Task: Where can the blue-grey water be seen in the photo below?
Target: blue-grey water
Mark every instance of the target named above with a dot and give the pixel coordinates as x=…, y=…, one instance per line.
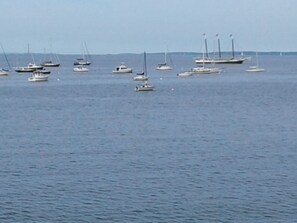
x=87, y=148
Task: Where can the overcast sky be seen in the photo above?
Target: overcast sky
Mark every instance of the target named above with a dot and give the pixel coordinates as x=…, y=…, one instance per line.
x=132, y=26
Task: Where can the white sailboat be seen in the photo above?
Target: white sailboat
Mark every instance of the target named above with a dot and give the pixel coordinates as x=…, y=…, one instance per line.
x=205, y=70
x=3, y=71
x=164, y=66
x=145, y=86
x=255, y=68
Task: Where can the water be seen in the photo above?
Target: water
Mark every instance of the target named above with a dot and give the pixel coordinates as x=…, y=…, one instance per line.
x=87, y=148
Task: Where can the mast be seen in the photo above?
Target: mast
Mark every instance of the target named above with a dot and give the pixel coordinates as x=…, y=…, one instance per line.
x=144, y=64
x=219, y=46
x=5, y=57
x=232, y=40
x=205, y=43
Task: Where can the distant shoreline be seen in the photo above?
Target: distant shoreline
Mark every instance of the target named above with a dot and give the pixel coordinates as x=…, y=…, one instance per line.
x=172, y=53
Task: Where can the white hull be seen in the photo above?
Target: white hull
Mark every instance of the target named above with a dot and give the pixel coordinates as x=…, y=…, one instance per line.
x=38, y=77
x=255, y=69
x=145, y=87
x=185, y=74
x=140, y=77
x=80, y=69
x=3, y=72
x=163, y=67
x=205, y=70
x=122, y=69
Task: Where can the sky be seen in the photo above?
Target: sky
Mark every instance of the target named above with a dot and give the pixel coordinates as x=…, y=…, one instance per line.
x=134, y=26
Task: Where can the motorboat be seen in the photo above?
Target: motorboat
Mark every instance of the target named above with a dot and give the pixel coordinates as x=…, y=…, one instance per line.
x=38, y=76
x=80, y=68
x=29, y=68
x=3, y=72
x=144, y=87
x=185, y=74
x=49, y=63
x=122, y=69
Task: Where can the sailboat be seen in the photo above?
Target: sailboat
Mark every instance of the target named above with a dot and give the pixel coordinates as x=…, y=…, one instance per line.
x=4, y=72
x=205, y=70
x=220, y=60
x=255, y=68
x=164, y=66
x=50, y=63
x=85, y=55
x=30, y=67
x=145, y=86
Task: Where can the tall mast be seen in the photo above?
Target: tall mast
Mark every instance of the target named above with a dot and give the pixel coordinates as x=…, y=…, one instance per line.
x=5, y=57
x=219, y=46
x=144, y=64
x=205, y=42
x=232, y=45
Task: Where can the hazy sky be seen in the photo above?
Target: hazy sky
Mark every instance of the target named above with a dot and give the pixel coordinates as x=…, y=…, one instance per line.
x=132, y=26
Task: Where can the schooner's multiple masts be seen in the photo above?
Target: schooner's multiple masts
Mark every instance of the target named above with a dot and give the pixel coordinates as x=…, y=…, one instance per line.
x=220, y=60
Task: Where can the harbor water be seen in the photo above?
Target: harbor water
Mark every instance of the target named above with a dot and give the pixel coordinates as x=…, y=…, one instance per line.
x=206, y=148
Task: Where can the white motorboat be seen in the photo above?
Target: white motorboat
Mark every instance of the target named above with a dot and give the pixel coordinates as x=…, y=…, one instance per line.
x=80, y=68
x=3, y=72
x=144, y=87
x=122, y=69
x=140, y=77
x=38, y=76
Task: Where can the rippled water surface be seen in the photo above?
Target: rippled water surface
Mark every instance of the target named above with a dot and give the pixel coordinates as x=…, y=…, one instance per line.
x=87, y=148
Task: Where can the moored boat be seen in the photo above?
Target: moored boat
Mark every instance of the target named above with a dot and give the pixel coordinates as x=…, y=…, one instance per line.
x=3, y=72
x=29, y=68
x=122, y=69
x=80, y=68
x=38, y=76
x=144, y=87
x=49, y=63
x=140, y=77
